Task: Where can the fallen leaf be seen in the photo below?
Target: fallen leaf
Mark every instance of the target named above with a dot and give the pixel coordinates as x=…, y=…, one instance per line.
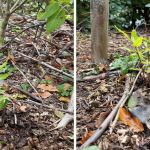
x=67, y=85
x=47, y=77
x=86, y=136
x=6, y=87
x=48, y=88
x=23, y=108
x=101, y=118
x=127, y=119
x=122, y=78
x=64, y=99
x=43, y=94
x=59, y=114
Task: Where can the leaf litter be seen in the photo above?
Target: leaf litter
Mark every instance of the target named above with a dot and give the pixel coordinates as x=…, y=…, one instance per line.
x=27, y=125
x=97, y=97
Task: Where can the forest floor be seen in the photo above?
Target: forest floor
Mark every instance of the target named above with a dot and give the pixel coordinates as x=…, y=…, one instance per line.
x=96, y=99
x=27, y=123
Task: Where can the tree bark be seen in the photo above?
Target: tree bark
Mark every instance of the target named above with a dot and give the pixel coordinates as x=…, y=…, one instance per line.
x=99, y=30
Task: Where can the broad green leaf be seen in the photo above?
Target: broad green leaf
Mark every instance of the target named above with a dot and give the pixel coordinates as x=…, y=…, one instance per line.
x=148, y=5
x=146, y=49
x=4, y=76
x=132, y=102
x=3, y=102
x=49, y=11
x=134, y=36
x=55, y=21
x=123, y=33
x=138, y=42
x=128, y=49
x=91, y=148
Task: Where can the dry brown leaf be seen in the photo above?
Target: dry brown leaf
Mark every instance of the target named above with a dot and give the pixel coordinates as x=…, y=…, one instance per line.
x=43, y=94
x=101, y=118
x=23, y=108
x=47, y=77
x=122, y=78
x=125, y=116
x=86, y=136
x=127, y=119
x=64, y=99
x=48, y=88
x=67, y=85
x=6, y=87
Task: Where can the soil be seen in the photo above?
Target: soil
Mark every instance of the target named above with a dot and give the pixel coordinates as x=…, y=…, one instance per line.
x=97, y=98
x=26, y=125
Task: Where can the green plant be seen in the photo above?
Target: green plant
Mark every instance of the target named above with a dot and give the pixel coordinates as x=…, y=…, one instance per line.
x=64, y=92
x=136, y=55
x=3, y=99
x=67, y=71
x=46, y=81
x=17, y=95
x=24, y=86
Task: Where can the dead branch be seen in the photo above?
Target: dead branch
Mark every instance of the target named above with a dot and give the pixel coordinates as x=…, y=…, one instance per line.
x=51, y=67
x=49, y=107
x=68, y=117
x=129, y=94
x=107, y=121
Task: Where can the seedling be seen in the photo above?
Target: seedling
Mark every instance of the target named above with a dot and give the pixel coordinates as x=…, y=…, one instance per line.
x=64, y=92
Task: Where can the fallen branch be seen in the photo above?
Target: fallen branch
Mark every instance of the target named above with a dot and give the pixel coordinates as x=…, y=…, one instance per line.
x=99, y=76
x=68, y=117
x=129, y=94
x=51, y=67
x=27, y=93
x=107, y=121
x=50, y=107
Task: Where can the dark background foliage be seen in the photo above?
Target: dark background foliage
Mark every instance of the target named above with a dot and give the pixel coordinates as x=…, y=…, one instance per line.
x=124, y=14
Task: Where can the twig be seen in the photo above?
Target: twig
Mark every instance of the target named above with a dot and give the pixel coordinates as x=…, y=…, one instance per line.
x=129, y=94
x=68, y=117
x=107, y=121
x=51, y=67
x=42, y=23
x=49, y=107
x=27, y=80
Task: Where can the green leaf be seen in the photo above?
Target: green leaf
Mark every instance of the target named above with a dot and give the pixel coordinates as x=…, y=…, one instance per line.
x=138, y=42
x=123, y=33
x=134, y=36
x=55, y=21
x=4, y=76
x=60, y=87
x=3, y=102
x=5, y=63
x=49, y=11
x=148, y=5
x=132, y=102
x=1, y=54
x=139, y=54
x=91, y=148
x=24, y=86
x=128, y=49
x=71, y=137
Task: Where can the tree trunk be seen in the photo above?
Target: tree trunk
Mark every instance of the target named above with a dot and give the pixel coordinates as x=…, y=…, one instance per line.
x=99, y=30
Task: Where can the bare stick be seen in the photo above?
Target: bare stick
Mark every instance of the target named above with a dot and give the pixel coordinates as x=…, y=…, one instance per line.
x=129, y=94
x=51, y=67
x=106, y=123
x=27, y=81
x=68, y=117
x=49, y=107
